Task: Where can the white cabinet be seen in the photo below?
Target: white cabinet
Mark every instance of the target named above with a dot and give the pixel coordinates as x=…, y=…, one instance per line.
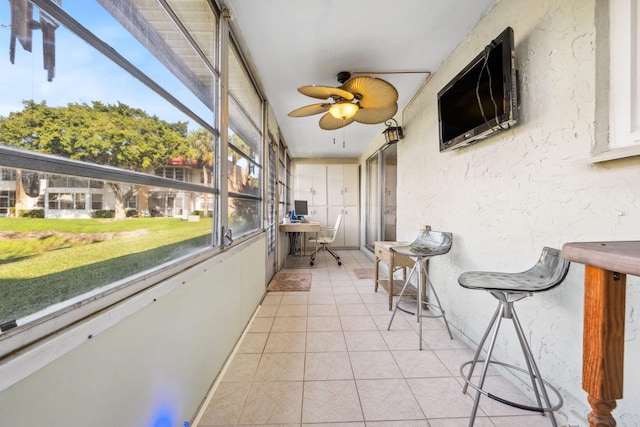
x=348, y=235
x=311, y=184
x=319, y=213
x=343, y=197
x=331, y=190
x=342, y=185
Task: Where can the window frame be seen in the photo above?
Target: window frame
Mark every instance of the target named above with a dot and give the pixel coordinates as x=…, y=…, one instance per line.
x=234, y=102
x=617, y=133
x=34, y=330
x=80, y=307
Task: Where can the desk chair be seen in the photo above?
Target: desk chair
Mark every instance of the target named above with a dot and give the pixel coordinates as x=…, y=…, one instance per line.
x=507, y=288
x=322, y=242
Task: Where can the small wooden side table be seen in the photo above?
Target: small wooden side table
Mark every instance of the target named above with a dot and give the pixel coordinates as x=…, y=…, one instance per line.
x=394, y=261
x=605, y=283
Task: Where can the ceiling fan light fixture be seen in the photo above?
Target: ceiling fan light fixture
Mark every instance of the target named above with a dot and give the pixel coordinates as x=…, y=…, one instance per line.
x=343, y=110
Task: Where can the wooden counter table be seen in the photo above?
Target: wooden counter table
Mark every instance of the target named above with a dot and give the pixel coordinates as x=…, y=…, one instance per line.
x=394, y=261
x=606, y=267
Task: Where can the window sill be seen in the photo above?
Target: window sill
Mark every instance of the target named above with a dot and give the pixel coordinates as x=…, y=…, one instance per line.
x=25, y=350
x=615, y=154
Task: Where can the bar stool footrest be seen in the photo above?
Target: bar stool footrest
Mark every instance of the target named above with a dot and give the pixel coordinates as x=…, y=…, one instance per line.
x=509, y=402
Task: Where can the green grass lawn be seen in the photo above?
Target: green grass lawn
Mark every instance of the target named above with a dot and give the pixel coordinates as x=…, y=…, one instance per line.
x=46, y=261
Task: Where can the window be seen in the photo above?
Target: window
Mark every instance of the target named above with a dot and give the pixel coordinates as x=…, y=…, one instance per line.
x=96, y=201
x=67, y=201
x=245, y=150
x=8, y=174
x=120, y=92
x=271, y=199
x=621, y=138
x=7, y=201
x=282, y=180
x=179, y=174
x=372, y=225
x=381, y=195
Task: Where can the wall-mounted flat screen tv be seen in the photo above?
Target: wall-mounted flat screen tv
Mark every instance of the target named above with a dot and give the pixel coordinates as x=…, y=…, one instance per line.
x=482, y=99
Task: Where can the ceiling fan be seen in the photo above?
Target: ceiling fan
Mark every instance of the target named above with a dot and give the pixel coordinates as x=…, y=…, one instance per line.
x=362, y=99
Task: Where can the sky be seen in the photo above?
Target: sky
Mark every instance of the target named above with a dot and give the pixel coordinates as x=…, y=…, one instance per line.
x=83, y=74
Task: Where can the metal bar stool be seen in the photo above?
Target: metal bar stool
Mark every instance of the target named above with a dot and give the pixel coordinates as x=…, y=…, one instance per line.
x=427, y=245
x=507, y=288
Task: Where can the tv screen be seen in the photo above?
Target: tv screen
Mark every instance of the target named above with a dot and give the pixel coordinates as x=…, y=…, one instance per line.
x=300, y=207
x=482, y=98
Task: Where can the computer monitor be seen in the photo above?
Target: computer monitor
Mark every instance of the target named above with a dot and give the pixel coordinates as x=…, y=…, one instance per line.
x=300, y=207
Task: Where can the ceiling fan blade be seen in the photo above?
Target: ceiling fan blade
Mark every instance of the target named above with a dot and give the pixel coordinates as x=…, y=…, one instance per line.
x=325, y=92
x=309, y=110
x=328, y=122
x=372, y=92
x=372, y=116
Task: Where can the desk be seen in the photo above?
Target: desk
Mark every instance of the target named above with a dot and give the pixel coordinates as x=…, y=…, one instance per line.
x=394, y=261
x=605, y=279
x=300, y=227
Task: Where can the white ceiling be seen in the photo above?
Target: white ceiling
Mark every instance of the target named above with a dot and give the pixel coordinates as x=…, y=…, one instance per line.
x=292, y=43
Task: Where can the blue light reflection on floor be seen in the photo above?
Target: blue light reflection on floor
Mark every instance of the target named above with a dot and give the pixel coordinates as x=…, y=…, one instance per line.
x=166, y=417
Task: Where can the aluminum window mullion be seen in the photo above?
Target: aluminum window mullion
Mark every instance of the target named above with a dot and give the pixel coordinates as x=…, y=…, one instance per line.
x=38, y=162
x=243, y=155
x=243, y=196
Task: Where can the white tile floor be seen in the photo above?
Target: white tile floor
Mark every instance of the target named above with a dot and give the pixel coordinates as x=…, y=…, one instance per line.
x=325, y=357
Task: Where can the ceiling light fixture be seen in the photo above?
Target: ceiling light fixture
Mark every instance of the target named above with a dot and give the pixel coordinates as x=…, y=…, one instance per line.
x=344, y=110
x=393, y=134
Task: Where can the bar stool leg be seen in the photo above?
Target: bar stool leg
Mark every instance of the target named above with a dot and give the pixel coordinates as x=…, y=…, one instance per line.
x=417, y=267
x=419, y=307
x=485, y=367
x=435, y=294
x=480, y=347
x=406, y=283
x=534, y=373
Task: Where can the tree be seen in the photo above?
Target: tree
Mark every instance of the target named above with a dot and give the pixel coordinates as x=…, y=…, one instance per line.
x=201, y=149
x=242, y=212
x=114, y=135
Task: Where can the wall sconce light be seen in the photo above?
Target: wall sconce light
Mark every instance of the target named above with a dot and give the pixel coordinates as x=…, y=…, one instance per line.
x=393, y=134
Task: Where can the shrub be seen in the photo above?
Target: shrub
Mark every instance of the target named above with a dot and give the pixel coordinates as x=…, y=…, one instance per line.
x=105, y=213
x=33, y=213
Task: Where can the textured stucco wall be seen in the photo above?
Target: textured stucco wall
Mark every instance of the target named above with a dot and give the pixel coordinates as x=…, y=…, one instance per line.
x=506, y=197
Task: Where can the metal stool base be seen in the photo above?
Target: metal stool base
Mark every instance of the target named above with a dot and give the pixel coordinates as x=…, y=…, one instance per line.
x=419, y=268
x=506, y=310
x=548, y=385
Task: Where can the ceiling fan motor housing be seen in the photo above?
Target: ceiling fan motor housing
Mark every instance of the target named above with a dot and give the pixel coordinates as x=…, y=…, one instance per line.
x=343, y=76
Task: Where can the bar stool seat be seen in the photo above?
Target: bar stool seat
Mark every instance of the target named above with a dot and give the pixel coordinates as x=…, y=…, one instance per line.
x=427, y=245
x=550, y=270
